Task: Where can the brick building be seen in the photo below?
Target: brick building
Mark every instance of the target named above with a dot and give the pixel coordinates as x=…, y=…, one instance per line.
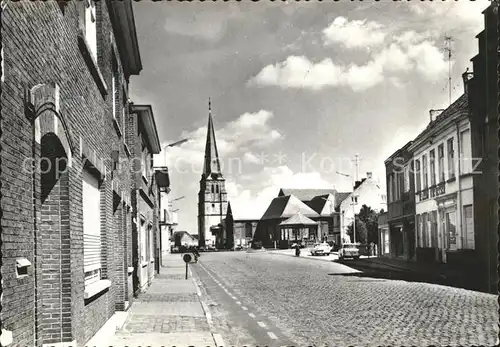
x=482, y=92
x=143, y=141
x=398, y=237
x=66, y=215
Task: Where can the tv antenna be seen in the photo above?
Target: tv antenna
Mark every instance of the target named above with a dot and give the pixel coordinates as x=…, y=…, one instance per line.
x=356, y=161
x=448, y=40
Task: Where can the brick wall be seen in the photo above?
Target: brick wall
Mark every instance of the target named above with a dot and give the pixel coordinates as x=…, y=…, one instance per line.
x=41, y=45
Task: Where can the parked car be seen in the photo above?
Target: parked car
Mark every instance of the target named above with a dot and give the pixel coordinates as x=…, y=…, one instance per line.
x=211, y=248
x=238, y=248
x=321, y=249
x=349, y=250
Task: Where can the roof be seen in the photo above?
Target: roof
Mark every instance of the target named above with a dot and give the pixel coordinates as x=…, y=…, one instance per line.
x=306, y=194
x=211, y=164
x=179, y=234
x=456, y=109
x=146, y=118
x=287, y=206
x=339, y=197
x=398, y=151
x=298, y=219
x=124, y=29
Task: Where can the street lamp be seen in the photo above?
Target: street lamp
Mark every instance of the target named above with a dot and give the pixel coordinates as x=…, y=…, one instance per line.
x=177, y=143
x=352, y=197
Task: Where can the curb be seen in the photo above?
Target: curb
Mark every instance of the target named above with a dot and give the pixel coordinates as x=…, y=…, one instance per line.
x=218, y=340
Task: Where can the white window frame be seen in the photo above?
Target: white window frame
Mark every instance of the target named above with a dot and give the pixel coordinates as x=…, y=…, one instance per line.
x=418, y=175
x=91, y=215
x=450, y=157
x=441, y=170
x=465, y=151
x=425, y=173
x=151, y=242
x=145, y=163
x=432, y=167
x=406, y=178
x=469, y=243
x=143, y=239
x=90, y=23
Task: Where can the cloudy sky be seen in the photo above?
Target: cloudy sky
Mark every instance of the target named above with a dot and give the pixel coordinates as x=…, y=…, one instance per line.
x=297, y=89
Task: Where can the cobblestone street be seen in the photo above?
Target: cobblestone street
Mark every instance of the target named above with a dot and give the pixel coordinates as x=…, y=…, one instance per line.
x=308, y=302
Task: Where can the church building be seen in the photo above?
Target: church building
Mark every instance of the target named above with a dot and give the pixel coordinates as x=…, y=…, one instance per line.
x=212, y=198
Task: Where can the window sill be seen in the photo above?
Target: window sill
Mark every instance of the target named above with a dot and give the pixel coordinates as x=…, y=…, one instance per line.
x=451, y=179
x=144, y=264
x=127, y=150
x=117, y=127
x=92, y=64
x=96, y=288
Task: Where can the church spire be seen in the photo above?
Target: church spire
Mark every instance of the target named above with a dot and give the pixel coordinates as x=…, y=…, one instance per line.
x=212, y=163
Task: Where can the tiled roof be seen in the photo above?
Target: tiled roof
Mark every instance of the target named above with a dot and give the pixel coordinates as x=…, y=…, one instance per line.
x=318, y=203
x=298, y=219
x=305, y=194
x=287, y=206
x=339, y=197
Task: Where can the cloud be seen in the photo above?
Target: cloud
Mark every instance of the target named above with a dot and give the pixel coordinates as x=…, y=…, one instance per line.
x=354, y=34
x=253, y=202
x=407, y=52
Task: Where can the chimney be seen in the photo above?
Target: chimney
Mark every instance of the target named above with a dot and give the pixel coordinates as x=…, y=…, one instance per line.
x=466, y=77
x=434, y=113
x=369, y=175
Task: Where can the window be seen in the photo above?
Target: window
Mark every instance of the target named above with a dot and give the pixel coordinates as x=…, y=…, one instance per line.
x=469, y=227
x=3, y=71
x=433, y=228
x=465, y=152
x=425, y=228
x=419, y=230
x=145, y=163
x=441, y=163
x=390, y=188
x=418, y=182
x=406, y=178
x=217, y=189
x=151, y=243
x=91, y=204
x=124, y=111
x=248, y=230
x=143, y=240
x=212, y=189
x=425, y=177
x=91, y=27
x=432, y=157
x=115, y=84
x=451, y=228
x=451, y=159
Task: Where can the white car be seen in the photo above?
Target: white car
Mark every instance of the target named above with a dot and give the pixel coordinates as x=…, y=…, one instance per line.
x=321, y=249
x=349, y=250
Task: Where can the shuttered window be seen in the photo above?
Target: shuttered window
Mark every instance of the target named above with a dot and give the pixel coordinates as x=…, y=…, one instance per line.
x=469, y=227
x=91, y=203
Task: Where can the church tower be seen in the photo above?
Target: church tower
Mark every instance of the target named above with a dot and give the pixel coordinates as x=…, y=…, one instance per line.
x=212, y=198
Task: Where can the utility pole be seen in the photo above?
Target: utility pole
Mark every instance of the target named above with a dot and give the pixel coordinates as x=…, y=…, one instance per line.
x=448, y=40
x=356, y=161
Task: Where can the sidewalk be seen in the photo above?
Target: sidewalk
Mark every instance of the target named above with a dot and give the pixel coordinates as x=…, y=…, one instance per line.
x=435, y=273
x=169, y=313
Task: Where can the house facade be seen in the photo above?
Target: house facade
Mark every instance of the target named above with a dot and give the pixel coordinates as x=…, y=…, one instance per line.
x=326, y=203
x=442, y=156
x=244, y=230
x=481, y=87
x=143, y=142
x=365, y=192
x=399, y=241
x=65, y=199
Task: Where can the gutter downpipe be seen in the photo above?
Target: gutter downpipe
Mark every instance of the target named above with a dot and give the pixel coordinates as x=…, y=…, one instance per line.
x=459, y=181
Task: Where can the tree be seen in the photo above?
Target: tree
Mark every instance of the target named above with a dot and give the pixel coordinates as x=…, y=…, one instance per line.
x=366, y=226
x=361, y=231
